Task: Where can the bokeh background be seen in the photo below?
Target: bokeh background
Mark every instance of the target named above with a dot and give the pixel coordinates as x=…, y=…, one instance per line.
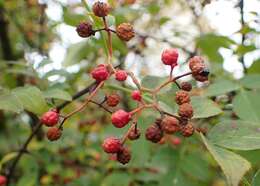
x=43, y=62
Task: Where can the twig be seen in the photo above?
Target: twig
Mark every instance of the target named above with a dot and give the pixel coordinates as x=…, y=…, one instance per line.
x=241, y=6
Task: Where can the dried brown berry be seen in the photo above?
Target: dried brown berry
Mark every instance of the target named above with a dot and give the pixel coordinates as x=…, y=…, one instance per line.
x=113, y=100
x=125, y=31
x=186, y=86
x=187, y=130
x=170, y=125
x=200, y=78
x=84, y=29
x=134, y=133
x=154, y=133
x=53, y=133
x=101, y=9
x=182, y=97
x=196, y=64
x=124, y=156
x=186, y=110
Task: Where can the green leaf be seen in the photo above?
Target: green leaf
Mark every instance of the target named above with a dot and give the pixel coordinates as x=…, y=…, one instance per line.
x=57, y=94
x=256, y=179
x=221, y=87
x=255, y=67
x=251, y=81
x=7, y=158
x=152, y=81
x=31, y=98
x=242, y=49
x=211, y=43
x=204, y=107
x=233, y=165
x=246, y=106
x=9, y=102
x=71, y=18
x=236, y=134
x=117, y=179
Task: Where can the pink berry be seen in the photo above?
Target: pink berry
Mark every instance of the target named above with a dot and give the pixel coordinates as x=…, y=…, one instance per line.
x=170, y=57
x=100, y=73
x=120, y=118
x=176, y=141
x=121, y=75
x=111, y=145
x=50, y=118
x=2, y=180
x=136, y=95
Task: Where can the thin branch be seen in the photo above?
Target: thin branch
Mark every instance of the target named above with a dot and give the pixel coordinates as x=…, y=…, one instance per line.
x=242, y=60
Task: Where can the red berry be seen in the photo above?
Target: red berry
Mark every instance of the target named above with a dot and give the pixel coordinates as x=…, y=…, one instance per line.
x=176, y=141
x=134, y=134
x=124, y=156
x=100, y=73
x=3, y=180
x=53, y=134
x=111, y=145
x=186, y=86
x=154, y=133
x=121, y=75
x=50, y=118
x=120, y=118
x=170, y=57
x=136, y=95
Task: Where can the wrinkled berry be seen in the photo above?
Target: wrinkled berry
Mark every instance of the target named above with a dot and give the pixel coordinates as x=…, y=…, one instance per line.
x=187, y=130
x=124, y=156
x=196, y=64
x=113, y=100
x=154, y=133
x=121, y=75
x=170, y=57
x=182, y=97
x=136, y=95
x=186, y=110
x=111, y=145
x=120, y=118
x=50, y=118
x=53, y=133
x=134, y=134
x=84, y=29
x=100, y=73
x=101, y=9
x=170, y=125
x=186, y=86
x=125, y=31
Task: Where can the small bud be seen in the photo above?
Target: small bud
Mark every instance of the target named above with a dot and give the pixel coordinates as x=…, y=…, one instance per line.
x=53, y=134
x=113, y=100
x=101, y=9
x=125, y=31
x=84, y=29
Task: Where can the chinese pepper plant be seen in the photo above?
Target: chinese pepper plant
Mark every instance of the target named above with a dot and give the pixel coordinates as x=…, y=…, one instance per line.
x=151, y=132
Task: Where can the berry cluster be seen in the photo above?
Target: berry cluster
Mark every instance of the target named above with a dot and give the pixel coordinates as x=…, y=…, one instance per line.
x=167, y=124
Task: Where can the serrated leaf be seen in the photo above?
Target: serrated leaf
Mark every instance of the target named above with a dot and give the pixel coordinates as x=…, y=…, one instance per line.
x=31, y=98
x=246, y=106
x=204, y=107
x=233, y=165
x=221, y=87
x=236, y=134
x=57, y=94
